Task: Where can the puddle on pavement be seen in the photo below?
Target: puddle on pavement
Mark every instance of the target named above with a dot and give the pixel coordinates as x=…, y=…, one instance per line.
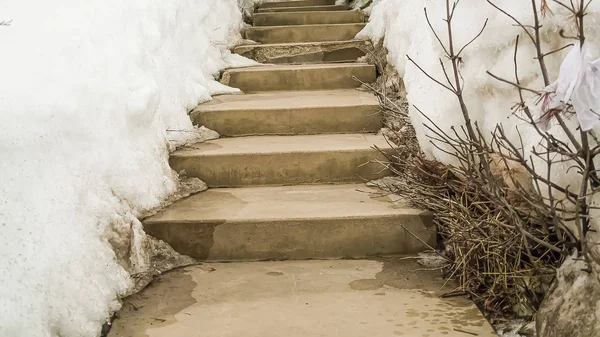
x=447, y=315
x=155, y=306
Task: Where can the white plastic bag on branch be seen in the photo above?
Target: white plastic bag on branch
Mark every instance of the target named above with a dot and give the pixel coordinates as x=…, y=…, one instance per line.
x=578, y=83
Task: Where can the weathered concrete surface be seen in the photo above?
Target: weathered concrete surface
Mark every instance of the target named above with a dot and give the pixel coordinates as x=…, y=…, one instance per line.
x=292, y=222
x=290, y=113
x=297, y=3
x=299, y=77
x=307, y=18
x=304, y=33
x=306, y=52
x=304, y=9
x=352, y=298
x=283, y=160
x=572, y=306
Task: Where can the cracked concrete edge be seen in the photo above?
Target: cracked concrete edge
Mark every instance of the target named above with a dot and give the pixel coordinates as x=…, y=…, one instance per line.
x=266, y=54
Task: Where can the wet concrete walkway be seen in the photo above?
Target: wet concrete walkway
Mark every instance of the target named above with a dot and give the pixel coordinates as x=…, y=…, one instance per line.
x=288, y=183
x=345, y=298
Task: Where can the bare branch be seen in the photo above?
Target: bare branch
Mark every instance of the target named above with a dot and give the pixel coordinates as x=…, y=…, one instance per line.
x=430, y=77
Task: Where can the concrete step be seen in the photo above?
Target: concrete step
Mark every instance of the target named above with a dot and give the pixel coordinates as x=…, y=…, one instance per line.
x=296, y=3
x=291, y=222
x=307, y=18
x=385, y=297
x=347, y=298
x=299, y=77
x=305, y=52
x=290, y=113
x=304, y=33
x=283, y=160
x=304, y=9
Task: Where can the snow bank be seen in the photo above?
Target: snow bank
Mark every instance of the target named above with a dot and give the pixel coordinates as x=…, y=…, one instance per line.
x=402, y=27
x=93, y=94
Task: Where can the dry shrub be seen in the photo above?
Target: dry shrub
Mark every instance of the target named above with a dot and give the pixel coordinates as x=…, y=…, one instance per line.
x=504, y=272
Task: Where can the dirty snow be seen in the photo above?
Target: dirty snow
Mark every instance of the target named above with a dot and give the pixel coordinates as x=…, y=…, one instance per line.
x=512, y=328
x=93, y=96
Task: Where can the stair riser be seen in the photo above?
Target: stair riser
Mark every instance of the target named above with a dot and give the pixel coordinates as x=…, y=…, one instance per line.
x=297, y=3
x=297, y=239
x=307, y=18
x=299, y=79
x=282, y=168
x=349, y=119
x=310, y=33
x=303, y=54
x=304, y=9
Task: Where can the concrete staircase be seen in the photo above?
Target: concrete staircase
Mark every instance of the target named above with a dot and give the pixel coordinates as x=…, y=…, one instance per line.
x=287, y=180
x=288, y=183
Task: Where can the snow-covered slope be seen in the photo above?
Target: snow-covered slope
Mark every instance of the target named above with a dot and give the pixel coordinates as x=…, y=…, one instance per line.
x=91, y=93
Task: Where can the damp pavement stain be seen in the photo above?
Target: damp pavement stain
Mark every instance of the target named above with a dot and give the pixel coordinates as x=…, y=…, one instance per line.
x=156, y=305
x=346, y=298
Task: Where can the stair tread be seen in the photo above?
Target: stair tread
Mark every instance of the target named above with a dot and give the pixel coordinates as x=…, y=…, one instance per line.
x=285, y=202
x=344, y=51
x=300, y=299
x=299, y=3
x=304, y=33
x=300, y=44
x=287, y=67
x=267, y=19
x=333, y=25
x=306, y=12
x=290, y=99
x=289, y=77
x=283, y=144
x=303, y=8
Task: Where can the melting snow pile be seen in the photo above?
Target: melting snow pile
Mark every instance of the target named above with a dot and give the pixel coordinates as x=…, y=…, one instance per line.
x=93, y=95
x=403, y=30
